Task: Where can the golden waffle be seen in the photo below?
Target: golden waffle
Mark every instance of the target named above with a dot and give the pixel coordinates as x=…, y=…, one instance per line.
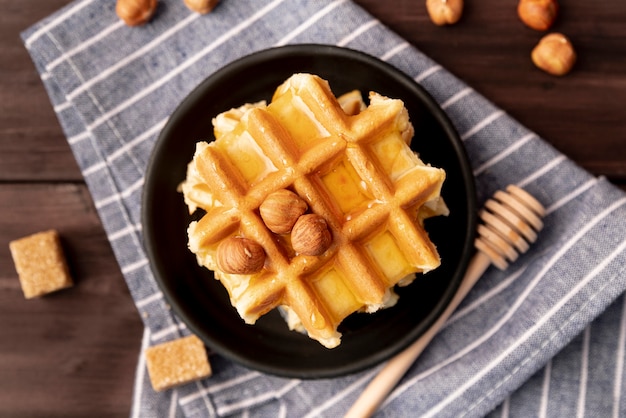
x=355, y=170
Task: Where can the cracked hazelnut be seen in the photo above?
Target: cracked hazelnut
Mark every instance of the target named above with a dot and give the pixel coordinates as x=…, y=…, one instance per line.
x=538, y=14
x=135, y=12
x=281, y=209
x=554, y=54
x=201, y=6
x=238, y=255
x=310, y=235
x=444, y=12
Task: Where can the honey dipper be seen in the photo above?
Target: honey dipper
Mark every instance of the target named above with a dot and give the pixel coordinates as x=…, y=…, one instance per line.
x=511, y=219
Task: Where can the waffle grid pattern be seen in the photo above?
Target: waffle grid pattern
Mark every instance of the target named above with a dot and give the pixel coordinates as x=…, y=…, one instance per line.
x=383, y=212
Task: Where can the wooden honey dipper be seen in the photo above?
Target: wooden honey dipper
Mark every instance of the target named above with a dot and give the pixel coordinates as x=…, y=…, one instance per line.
x=511, y=219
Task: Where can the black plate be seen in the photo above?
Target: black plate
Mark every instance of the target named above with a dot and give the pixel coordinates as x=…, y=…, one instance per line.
x=203, y=303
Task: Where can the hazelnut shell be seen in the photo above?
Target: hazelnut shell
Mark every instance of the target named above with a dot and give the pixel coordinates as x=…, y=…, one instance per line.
x=135, y=12
x=554, y=54
x=238, y=255
x=444, y=12
x=201, y=6
x=281, y=209
x=310, y=235
x=538, y=14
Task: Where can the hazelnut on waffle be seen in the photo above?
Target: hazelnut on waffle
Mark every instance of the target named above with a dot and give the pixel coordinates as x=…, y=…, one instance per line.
x=312, y=208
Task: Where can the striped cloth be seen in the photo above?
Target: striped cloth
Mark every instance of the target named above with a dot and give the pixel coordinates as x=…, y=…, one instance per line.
x=544, y=338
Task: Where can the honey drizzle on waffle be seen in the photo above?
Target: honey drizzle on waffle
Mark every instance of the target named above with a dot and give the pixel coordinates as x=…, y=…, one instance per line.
x=342, y=144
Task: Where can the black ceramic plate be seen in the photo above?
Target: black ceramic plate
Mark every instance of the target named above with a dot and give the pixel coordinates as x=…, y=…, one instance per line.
x=203, y=303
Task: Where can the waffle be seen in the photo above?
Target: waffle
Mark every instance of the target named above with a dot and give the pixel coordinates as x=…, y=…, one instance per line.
x=351, y=168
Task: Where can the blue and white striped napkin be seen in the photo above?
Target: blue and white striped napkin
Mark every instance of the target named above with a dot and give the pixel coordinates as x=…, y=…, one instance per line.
x=545, y=338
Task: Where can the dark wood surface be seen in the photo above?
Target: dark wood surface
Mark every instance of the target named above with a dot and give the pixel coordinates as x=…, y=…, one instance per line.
x=74, y=353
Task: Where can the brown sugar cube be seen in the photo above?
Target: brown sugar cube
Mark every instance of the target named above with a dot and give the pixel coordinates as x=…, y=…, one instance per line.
x=177, y=362
x=40, y=264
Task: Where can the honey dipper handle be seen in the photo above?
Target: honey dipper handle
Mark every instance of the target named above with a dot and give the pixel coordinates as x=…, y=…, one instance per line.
x=378, y=389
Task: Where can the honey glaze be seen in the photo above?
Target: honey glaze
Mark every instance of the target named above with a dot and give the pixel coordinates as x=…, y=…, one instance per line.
x=388, y=257
x=296, y=118
x=245, y=154
x=347, y=189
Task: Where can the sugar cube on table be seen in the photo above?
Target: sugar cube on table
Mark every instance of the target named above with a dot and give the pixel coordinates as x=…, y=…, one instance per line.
x=40, y=263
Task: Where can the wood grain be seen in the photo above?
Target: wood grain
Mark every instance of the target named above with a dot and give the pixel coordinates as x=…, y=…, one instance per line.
x=581, y=114
x=74, y=353
x=32, y=145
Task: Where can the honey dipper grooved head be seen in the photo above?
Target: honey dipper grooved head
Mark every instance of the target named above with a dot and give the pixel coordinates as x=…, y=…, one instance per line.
x=512, y=220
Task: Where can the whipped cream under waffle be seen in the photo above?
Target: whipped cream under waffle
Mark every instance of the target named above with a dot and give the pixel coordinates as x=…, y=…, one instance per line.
x=353, y=168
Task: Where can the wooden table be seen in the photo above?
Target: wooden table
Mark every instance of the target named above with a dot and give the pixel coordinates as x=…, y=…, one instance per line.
x=74, y=353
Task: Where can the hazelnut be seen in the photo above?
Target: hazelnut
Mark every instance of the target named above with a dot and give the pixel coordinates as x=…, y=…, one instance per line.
x=538, y=14
x=310, y=235
x=281, y=209
x=135, y=12
x=554, y=54
x=201, y=6
x=444, y=12
x=238, y=255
